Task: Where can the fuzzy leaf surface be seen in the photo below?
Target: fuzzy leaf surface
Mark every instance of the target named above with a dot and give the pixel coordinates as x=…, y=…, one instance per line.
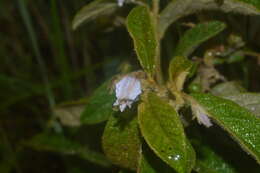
x=163, y=131
x=197, y=35
x=93, y=10
x=141, y=29
x=180, y=8
x=121, y=141
x=241, y=124
x=251, y=101
x=178, y=65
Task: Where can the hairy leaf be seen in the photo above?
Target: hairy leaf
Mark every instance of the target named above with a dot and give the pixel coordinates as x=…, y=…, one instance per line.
x=121, y=141
x=251, y=101
x=242, y=125
x=227, y=88
x=141, y=29
x=100, y=106
x=163, y=131
x=197, y=35
x=93, y=10
x=178, y=70
x=180, y=8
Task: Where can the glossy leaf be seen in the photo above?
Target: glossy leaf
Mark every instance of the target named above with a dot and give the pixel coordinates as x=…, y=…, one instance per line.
x=227, y=88
x=61, y=144
x=163, y=131
x=180, y=8
x=197, y=35
x=121, y=140
x=100, y=105
x=242, y=125
x=141, y=29
x=178, y=70
x=251, y=101
x=93, y=10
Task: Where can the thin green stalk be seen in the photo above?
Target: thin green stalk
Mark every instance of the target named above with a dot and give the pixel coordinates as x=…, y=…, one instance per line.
x=32, y=36
x=57, y=39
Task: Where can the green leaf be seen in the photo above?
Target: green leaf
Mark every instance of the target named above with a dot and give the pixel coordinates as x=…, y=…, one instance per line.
x=63, y=145
x=163, y=131
x=100, y=105
x=250, y=101
x=145, y=166
x=227, y=88
x=197, y=35
x=180, y=8
x=69, y=115
x=149, y=163
x=93, y=10
x=178, y=70
x=141, y=29
x=210, y=162
x=121, y=140
x=242, y=125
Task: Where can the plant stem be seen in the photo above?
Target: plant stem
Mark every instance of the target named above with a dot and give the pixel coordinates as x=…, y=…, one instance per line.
x=159, y=77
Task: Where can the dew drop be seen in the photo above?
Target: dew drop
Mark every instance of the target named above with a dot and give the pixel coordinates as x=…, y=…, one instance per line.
x=175, y=158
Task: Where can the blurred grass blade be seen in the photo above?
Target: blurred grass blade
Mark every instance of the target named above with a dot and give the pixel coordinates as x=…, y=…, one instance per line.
x=197, y=35
x=57, y=41
x=180, y=8
x=42, y=67
x=241, y=124
x=93, y=10
x=63, y=145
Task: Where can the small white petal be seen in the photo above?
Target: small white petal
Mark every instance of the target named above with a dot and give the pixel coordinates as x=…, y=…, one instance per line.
x=120, y=2
x=201, y=116
x=204, y=119
x=116, y=103
x=127, y=91
x=122, y=107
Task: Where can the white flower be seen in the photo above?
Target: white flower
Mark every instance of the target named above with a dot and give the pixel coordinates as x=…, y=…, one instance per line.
x=127, y=91
x=120, y=2
x=201, y=116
